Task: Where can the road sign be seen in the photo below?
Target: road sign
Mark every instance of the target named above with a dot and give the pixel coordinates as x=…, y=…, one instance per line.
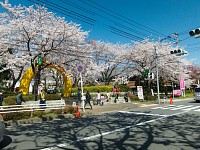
x=80, y=68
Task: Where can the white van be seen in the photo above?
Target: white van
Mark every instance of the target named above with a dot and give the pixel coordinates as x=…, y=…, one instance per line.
x=197, y=94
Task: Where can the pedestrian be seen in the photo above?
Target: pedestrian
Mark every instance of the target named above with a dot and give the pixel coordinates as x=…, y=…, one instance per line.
x=88, y=98
x=116, y=94
x=114, y=89
x=98, y=98
x=102, y=99
x=19, y=98
x=108, y=96
x=79, y=95
x=42, y=98
x=1, y=98
x=126, y=96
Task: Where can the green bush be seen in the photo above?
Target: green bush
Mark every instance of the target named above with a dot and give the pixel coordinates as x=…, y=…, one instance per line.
x=52, y=96
x=10, y=100
x=95, y=89
x=133, y=97
x=150, y=98
x=29, y=97
x=69, y=109
x=17, y=116
x=6, y=94
x=56, y=111
x=38, y=113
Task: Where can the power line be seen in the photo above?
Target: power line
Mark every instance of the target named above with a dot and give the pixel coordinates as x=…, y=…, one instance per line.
x=63, y=9
x=94, y=13
x=71, y=13
x=113, y=29
x=123, y=18
x=91, y=21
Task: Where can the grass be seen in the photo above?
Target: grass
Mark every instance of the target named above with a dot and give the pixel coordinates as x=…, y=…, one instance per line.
x=187, y=95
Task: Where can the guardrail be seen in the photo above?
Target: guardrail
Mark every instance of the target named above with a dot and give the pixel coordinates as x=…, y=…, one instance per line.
x=32, y=106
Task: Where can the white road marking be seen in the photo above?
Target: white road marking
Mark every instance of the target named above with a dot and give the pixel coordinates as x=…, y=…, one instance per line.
x=181, y=107
x=187, y=109
x=165, y=107
x=64, y=145
x=147, y=114
x=197, y=110
x=148, y=105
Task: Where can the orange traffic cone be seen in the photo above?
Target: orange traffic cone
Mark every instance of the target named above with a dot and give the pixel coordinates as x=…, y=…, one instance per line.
x=171, y=101
x=77, y=113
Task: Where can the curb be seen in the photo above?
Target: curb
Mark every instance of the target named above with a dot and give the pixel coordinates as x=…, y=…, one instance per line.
x=38, y=120
x=69, y=116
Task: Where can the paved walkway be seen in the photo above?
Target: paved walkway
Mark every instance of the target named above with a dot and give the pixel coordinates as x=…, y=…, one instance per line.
x=108, y=108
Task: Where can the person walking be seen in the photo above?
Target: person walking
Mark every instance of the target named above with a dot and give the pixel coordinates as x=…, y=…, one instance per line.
x=88, y=98
x=42, y=98
x=102, y=99
x=19, y=98
x=108, y=97
x=1, y=98
x=116, y=94
x=98, y=98
x=79, y=95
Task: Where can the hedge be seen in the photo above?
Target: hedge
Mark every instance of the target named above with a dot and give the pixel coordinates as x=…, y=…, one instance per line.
x=11, y=100
x=38, y=113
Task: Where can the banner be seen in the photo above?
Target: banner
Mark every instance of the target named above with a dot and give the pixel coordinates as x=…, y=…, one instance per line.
x=177, y=92
x=182, y=84
x=140, y=92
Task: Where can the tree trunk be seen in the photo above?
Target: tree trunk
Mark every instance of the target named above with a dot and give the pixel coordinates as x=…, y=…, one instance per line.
x=15, y=80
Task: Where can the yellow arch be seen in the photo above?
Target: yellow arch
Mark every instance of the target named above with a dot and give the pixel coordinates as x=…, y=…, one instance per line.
x=28, y=76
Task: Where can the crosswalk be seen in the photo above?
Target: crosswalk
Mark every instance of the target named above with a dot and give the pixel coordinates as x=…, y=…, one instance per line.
x=179, y=107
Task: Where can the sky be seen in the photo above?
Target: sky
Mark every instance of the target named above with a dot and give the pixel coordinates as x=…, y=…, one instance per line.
x=127, y=21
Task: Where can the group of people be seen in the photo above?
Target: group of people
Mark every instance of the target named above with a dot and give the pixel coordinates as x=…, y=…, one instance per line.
x=100, y=98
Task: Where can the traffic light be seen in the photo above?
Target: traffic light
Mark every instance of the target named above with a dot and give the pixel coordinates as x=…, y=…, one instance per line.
x=39, y=61
x=195, y=33
x=179, y=52
x=150, y=75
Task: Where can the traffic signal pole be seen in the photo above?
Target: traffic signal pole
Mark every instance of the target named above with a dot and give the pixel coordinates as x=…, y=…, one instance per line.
x=157, y=77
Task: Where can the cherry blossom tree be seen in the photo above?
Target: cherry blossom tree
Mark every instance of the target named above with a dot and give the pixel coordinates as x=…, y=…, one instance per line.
x=33, y=31
x=106, y=61
x=170, y=67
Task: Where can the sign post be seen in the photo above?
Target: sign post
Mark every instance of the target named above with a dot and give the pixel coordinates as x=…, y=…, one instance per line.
x=80, y=69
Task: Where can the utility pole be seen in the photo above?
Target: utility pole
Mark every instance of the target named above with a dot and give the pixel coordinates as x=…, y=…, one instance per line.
x=157, y=78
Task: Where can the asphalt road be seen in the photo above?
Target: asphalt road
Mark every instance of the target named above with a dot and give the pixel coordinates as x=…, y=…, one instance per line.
x=161, y=127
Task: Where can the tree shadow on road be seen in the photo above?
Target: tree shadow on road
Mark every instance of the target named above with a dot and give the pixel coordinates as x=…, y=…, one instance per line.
x=108, y=131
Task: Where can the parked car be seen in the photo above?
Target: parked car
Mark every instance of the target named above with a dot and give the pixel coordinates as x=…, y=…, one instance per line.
x=2, y=128
x=52, y=91
x=197, y=94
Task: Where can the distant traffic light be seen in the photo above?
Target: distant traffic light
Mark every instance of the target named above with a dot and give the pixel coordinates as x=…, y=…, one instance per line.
x=179, y=52
x=195, y=33
x=150, y=75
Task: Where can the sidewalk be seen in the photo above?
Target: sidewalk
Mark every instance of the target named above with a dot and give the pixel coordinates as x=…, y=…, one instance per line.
x=97, y=110
x=108, y=108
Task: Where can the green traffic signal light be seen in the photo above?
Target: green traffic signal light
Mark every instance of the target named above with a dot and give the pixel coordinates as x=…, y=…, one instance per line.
x=39, y=61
